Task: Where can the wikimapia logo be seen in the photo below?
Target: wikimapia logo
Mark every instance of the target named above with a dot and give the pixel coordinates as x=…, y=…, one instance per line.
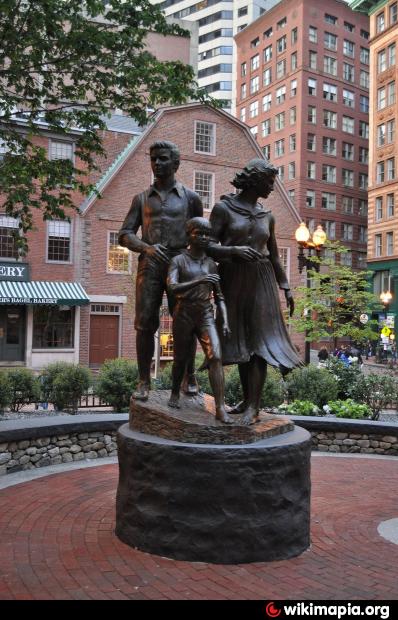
x=302, y=609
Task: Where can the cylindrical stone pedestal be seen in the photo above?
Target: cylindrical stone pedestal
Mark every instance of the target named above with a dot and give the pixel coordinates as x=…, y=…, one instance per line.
x=225, y=504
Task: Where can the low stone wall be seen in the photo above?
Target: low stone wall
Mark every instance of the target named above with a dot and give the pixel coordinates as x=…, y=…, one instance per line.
x=27, y=444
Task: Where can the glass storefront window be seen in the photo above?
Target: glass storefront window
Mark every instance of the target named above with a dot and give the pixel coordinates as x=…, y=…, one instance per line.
x=53, y=327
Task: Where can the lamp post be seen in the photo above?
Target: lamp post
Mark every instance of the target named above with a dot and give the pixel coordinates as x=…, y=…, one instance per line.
x=385, y=299
x=313, y=249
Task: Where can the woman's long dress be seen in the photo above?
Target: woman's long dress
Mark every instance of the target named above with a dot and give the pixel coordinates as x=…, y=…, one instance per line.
x=251, y=287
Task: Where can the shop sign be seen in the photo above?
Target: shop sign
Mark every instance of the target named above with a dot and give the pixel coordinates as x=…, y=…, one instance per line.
x=26, y=300
x=15, y=272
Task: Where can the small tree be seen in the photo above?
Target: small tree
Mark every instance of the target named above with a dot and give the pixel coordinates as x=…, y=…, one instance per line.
x=25, y=388
x=311, y=384
x=375, y=390
x=331, y=307
x=63, y=384
x=117, y=379
x=5, y=391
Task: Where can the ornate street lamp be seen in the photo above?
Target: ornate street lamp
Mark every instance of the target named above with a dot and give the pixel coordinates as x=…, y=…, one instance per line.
x=385, y=299
x=313, y=246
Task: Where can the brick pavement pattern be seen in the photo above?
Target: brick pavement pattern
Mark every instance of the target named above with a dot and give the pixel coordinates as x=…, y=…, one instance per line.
x=57, y=541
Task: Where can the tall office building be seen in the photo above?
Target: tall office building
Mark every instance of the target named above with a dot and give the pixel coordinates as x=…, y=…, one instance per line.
x=303, y=88
x=383, y=150
x=218, y=21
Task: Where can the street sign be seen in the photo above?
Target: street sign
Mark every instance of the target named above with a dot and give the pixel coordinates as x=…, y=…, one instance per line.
x=386, y=331
x=364, y=318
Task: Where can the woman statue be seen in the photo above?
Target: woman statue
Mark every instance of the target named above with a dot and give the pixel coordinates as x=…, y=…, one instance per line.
x=251, y=272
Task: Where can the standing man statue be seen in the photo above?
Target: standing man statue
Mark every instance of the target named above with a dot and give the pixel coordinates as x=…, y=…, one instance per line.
x=161, y=212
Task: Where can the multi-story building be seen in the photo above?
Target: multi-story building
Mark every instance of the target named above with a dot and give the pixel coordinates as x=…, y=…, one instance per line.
x=383, y=150
x=303, y=88
x=218, y=21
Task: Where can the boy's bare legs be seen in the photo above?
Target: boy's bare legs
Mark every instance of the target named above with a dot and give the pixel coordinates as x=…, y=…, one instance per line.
x=177, y=375
x=216, y=378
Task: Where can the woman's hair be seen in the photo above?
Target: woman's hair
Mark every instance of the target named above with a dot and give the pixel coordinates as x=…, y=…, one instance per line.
x=251, y=172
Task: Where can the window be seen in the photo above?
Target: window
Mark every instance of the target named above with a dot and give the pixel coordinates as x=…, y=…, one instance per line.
x=348, y=72
x=347, y=205
x=363, y=234
x=279, y=148
x=379, y=208
x=330, y=41
x=253, y=109
x=347, y=177
x=267, y=54
x=203, y=185
x=294, y=36
x=347, y=151
x=280, y=121
x=346, y=258
x=390, y=205
x=348, y=98
x=348, y=48
x=267, y=151
x=280, y=95
x=364, y=55
x=281, y=172
x=293, y=88
x=284, y=256
x=363, y=181
x=380, y=22
x=330, y=19
x=311, y=116
x=311, y=87
x=349, y=27
x=254, y=85
x=381, y=282
x=389, y=243
x=393, y=13
x=391, y=55
x=281, y=45
x=62, y=151
x=363, y=207
x=391, y=93
x=328, y=173
x=364, y=130
x=329, y=146
x=255, y=62
x=364, y=79
x=380, y=172
x=267, y=100
x=381, y=98
x=391, y=131
x=53, y=327
x=328, y=201
x=243, y=115
x=254, y=130
x=311, y=142
x=313, y=59
x=329, y=92
x=242, y=11
x=280, y=69
x=348, y=124
x=381, y=61
x=391, y=169
x=292, y=170
x=310, y=199
x=243, y=69
x=205, y=138
x=381, y=134
x=362, y=260
x=363, y=155
x=253, y=43
x=364, y=34
x=313, y=34
x=330, y=65
x=292, y=143
x=378, y=246
x=311, y=170
x=281, y=23
x=268, y=33
x=329, y=228
x=8, y=231
x=118, y=260
x=364, y=104
x=293, y=115
x=329, y=119
x=59, y=241
x=267, y=77
x=293, y=61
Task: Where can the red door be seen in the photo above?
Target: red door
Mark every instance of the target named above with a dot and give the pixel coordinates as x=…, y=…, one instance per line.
x=104, y=338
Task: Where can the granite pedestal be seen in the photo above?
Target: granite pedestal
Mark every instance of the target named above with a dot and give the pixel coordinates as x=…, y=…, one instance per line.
x=246, y=500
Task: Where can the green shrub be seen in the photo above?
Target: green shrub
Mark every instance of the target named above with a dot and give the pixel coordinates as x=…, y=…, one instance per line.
x=375, y=390
x=300, y=407
x=63, y=384
x=117, y=379
x=5, y=391
x=346, y=376
x=25, y=388
x=349, y=409
x=310, y=383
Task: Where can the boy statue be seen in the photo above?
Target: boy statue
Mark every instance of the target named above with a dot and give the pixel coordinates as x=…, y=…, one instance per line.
x=192, y=279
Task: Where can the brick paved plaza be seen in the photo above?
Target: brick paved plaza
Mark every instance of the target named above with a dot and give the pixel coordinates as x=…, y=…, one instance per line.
x=57, y=542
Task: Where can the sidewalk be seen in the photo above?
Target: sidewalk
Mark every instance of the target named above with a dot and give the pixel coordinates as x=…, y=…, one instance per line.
x=58, y=542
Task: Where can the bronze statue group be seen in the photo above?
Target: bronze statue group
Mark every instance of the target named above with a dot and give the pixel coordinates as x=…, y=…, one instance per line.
x=178, y=253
